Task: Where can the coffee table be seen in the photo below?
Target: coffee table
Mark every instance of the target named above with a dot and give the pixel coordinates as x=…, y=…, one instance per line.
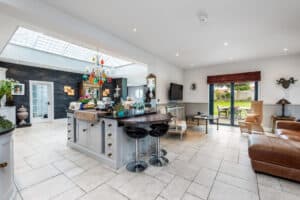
x=207, y=118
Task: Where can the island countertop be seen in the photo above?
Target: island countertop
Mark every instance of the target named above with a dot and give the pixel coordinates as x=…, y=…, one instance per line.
x=146, y=119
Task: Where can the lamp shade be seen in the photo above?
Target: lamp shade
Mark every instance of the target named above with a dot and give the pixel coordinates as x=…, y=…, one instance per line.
x=283, y=102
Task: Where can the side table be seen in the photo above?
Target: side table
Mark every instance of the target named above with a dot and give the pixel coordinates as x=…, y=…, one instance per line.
x=281, y=118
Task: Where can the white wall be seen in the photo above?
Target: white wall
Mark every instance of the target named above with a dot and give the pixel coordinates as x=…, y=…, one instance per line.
x=35, y=15
x=271, y=69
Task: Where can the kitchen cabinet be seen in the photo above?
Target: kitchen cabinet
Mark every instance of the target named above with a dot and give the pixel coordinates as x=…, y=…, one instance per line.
x=7, y=186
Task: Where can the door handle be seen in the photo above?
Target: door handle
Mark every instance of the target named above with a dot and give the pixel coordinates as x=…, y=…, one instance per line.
x=48, y=103
x=3, y=165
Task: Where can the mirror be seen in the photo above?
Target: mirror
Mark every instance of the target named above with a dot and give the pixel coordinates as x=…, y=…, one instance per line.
x=151, y=86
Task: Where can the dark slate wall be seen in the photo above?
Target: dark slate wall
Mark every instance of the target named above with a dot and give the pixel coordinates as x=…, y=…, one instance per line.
x=24, y=73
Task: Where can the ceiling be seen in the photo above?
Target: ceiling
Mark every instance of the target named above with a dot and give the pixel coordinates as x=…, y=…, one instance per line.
x=252, y=28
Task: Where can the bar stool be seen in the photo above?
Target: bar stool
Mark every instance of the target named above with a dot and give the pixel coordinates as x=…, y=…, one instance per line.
x=157, y=131
x=136, y=133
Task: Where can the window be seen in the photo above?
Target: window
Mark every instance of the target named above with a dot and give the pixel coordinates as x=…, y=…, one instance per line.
x=41, y=42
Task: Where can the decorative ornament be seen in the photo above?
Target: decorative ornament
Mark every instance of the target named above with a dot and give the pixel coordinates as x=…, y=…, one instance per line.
x=193, y=86
x=286, y=82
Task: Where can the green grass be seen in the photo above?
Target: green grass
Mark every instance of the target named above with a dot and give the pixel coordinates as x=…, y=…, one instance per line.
x=227, y=104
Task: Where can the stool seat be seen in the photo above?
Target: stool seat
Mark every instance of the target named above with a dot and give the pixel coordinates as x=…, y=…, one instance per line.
x=136, y=132
x=158, y=130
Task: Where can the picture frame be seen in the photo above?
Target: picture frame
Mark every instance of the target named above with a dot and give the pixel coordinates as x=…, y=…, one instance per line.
x=18, y=89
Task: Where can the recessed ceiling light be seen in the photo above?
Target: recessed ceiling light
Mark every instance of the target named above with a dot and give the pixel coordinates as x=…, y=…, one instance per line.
x=177, y=54
x=134, y=29
x=285, y=49
x=226, y=44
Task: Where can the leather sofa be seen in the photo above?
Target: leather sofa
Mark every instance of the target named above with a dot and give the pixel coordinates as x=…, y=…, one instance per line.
x=278, y=155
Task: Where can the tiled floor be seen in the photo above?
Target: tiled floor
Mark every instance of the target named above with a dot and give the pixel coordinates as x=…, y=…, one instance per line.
x=214, y=166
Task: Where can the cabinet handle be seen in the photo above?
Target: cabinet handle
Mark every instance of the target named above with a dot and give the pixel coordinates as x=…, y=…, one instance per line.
x=69, y=138
x=109, y=125
x=69, y=131
x=109, y=135
x=69, y=124
x=3, y=165
x=109, y=144
x=92, y=124
x=83, y=130
x=109, y=155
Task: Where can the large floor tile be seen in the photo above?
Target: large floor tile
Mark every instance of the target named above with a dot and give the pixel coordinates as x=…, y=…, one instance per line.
x=268, y=193
x=48, y=189
x=35, y=176
x=92, y=178
x=206, y=177
x=71, y=194
x=104, y=192
x=222, y=191
x=176, y=188
x=198, y=190
x=142, y=187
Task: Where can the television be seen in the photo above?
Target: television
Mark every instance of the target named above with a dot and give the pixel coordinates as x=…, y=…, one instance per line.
x=176, y=92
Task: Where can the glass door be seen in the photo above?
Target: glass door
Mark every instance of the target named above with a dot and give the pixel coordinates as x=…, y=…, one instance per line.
x=222, y=102
x=41, y=101
x=244, y=93
x=232, y=101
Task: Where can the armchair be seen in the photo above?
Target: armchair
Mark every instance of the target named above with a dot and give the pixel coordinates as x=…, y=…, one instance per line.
x=288, y=130
x=253, y=120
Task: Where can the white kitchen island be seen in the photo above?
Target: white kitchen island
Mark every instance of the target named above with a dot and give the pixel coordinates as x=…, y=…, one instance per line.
x=103, y=137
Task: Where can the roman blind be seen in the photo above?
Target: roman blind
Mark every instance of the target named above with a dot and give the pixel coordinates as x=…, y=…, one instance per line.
x=239, y=77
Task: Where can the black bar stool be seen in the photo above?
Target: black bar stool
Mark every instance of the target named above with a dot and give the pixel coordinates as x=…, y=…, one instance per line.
x=136, y=133
x=157, y=131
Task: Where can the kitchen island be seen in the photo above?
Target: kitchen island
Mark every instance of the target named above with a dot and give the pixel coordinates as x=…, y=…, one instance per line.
x=102, y=136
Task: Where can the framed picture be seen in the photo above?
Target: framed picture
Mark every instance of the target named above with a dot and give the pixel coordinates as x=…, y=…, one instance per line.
x=18, y=89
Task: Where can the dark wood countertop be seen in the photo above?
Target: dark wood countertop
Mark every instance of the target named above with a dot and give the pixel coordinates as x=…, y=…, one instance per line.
x=146, y=119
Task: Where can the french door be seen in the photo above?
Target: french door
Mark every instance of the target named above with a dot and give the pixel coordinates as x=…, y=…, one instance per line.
x=41, y=101
x=231, y=101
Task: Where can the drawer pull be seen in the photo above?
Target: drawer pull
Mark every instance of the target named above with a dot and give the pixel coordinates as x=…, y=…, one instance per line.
x=69, y=131
x=109, y=125
x=92, y=124
x=109, y=135
x=69, y=124
x=84, y=130
x=69, y=138
x=3, y=165
x=109, y=154
x=109, y=144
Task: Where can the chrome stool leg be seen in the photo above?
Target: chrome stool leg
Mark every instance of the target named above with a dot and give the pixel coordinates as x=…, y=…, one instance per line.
x=158, y=159
x=137, y=165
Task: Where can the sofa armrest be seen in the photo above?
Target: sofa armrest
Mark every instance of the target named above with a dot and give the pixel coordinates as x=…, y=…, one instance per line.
x=290, y=125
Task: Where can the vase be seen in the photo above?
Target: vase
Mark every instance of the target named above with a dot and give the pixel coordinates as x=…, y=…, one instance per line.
x=22, y=115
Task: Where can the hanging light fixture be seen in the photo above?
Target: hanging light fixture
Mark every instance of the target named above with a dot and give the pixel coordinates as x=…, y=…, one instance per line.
x=97, y=74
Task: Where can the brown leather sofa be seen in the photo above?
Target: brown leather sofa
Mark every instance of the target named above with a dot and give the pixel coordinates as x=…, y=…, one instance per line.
x=278, y=155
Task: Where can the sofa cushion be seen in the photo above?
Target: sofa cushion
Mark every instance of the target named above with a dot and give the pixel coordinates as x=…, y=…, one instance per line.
x=274, y=150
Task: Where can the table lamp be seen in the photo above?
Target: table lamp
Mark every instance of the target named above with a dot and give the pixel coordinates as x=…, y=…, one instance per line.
x=283, y=102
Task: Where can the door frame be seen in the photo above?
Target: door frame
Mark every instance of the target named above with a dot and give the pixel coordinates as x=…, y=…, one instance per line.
x=232, y=98
x=50, y=116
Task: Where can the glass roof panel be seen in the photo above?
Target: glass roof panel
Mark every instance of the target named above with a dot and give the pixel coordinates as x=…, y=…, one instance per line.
x=38, y=41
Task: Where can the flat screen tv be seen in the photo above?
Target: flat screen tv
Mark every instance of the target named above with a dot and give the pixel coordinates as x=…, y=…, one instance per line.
x=176, y=92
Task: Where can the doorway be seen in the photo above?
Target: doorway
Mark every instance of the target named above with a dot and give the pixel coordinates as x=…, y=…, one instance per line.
x=41, y=101
x=232, y=101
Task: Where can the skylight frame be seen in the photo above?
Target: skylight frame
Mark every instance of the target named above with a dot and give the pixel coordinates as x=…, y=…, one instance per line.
x=38, y=41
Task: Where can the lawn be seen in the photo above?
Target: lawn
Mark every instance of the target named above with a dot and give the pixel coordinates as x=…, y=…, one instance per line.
x=246, y=104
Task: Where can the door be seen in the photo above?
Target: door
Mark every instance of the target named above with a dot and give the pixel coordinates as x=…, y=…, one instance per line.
x=232, y=101
x=41, y=101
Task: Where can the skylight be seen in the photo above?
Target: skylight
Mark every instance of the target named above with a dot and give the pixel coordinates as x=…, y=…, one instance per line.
x=38, y=41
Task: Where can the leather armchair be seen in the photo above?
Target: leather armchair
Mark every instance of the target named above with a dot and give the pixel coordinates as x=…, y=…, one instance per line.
x=288, y=130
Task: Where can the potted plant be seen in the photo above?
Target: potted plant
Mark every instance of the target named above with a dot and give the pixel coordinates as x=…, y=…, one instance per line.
x=5, y=90
x=5, y=124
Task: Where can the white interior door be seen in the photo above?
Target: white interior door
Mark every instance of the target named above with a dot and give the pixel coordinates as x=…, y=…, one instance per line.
x=41, y=101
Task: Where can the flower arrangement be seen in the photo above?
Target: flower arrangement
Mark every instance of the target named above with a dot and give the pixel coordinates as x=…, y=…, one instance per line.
x=85, y=99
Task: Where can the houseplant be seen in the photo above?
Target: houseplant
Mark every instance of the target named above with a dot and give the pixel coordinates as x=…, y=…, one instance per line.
x=5, y=90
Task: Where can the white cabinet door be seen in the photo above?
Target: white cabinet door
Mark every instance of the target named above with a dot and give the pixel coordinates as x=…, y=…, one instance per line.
x=83, y=133
x=94, y=143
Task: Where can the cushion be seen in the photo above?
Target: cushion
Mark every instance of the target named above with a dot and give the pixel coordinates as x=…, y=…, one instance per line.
x=275, y=150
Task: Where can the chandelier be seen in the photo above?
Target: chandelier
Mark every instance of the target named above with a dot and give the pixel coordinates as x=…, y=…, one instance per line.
x=97, y=73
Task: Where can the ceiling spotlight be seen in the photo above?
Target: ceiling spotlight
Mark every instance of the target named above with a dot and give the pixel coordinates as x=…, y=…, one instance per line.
x=177, y=54
x=285, y=49
x=134, y=29
x=226, y=44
